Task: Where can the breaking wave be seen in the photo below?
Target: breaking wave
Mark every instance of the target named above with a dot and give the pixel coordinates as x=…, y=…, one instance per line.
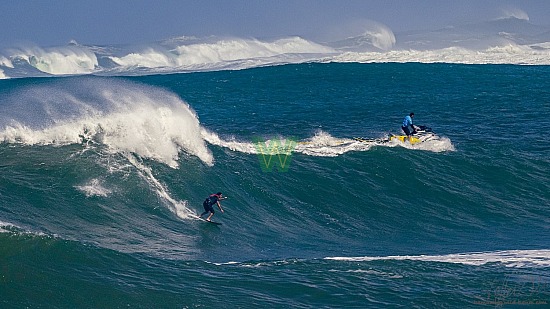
x=123, y=116
x=511, y=39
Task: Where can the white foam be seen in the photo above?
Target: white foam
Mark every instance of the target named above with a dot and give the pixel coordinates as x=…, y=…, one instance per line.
x=510, y=258
x=507, y=54
x=94, y=187
x=67, y=60
x=513, y=12
x=5, y=62
x=322, y=144
x=435, y=144
x=148, y=58
x=125, y=117
x=4, y=225
x=178, y=207
x=375, y=44
x=210, y=54
x=382, y=37
x=232, y=144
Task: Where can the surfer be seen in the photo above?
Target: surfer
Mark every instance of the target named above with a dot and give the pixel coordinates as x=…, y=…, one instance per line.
x=408, y=126
x=209, y=202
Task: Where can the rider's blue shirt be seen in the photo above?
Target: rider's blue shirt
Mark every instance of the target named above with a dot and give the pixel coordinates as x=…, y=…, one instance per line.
x=407, y=121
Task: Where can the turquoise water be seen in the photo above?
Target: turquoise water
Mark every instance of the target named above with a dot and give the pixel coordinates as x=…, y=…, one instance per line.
x=100, y=178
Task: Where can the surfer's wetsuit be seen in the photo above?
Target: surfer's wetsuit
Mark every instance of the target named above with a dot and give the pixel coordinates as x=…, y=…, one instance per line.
x=209, y=203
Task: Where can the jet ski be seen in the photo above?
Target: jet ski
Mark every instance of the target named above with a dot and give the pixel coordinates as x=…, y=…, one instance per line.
x=422, y=134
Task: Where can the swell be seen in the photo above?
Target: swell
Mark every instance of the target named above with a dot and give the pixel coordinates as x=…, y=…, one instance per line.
x=38, y=269
x=83, y=141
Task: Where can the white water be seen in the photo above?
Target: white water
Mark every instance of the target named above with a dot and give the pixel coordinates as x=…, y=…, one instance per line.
x=218, y=53
x=94, y=187
x=508, y=54
x=130, y=120
x=124, y=117
x=511, y=39
x=322, y=144
x=510, y=258
x=66, y=60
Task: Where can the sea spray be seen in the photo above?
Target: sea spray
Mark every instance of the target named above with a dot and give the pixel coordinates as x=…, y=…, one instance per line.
x=124, y=116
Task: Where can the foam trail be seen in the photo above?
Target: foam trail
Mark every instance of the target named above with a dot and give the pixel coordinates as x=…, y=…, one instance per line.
x=232, y=144
x=179, y=208
x=323, y=144
x=511, y=258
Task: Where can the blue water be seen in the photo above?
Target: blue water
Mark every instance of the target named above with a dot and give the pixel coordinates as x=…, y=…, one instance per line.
x=101, y=176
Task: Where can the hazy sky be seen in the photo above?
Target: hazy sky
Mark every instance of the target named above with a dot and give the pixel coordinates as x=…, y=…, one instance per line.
x=56, y=22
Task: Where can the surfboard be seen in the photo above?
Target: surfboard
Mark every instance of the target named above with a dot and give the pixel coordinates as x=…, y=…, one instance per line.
x=213, y=222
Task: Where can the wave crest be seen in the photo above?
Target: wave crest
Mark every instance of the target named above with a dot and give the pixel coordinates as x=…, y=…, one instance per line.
x=125, y=117
x=192, y=54
x=67, y=60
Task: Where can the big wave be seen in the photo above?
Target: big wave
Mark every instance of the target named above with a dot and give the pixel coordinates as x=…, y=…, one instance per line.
x=126, y=121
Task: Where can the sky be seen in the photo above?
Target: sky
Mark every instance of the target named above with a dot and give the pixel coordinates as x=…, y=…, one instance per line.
x=104, y=22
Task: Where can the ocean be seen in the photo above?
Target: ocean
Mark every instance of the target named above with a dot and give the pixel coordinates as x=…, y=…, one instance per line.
x=102, y=176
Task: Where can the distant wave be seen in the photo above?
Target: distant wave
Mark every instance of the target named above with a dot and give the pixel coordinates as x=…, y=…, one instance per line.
x=514, y=12
x=67, y=60
x=170, y=56
x=511, y=258
x=192, y=56
x=509, y=54
x=511, y=39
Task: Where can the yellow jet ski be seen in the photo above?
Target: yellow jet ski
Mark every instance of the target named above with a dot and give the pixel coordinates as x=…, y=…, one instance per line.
x=422, y=134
